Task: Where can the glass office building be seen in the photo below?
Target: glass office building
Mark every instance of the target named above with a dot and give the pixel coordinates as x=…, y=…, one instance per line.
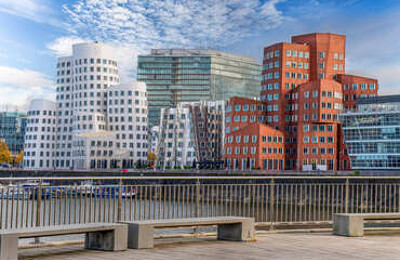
x=183, y=75
x=12, y=130
x=372, y=133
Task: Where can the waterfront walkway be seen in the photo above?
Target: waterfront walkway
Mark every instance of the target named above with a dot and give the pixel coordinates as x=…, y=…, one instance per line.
x=271, y=246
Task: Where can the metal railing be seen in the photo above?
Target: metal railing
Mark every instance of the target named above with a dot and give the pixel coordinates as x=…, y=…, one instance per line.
x=270, y=200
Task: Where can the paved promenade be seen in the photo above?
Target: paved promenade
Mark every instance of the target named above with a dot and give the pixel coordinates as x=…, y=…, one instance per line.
x=272, y=246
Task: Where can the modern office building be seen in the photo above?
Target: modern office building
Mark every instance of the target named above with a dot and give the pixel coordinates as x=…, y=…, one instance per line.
x=177, y=141
x=127, y=119
x=82, y=80
x=12, y=130
x=192, y=133
x=305, y=84
x=255, y=146
x=188, y=75
x=250, y=143
x=100, y=124
x=154, y=135
x=40, y=135
x=372, y=133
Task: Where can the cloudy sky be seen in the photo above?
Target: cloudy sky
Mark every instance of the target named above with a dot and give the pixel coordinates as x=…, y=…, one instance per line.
x=34, y=32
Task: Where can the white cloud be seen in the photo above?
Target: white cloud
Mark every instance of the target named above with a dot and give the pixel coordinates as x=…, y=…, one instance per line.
x=18, y=85
x=134, y=26
x=35, y=10
x=63, y=46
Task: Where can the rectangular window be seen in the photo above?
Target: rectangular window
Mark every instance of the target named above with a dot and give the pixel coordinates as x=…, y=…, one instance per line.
x=372, y=86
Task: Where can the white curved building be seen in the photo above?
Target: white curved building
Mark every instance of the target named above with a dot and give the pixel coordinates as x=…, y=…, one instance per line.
x=99, y=124
x=81, y=97
x=40, y=135
x=127, y=118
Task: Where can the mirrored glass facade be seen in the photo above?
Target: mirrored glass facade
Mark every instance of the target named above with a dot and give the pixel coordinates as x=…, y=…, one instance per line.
x=181, y=75
x=372, y=133
x=12, y=130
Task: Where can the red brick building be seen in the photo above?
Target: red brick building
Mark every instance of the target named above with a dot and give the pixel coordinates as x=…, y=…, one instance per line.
x=305, y=87
x=243, y=111
x=255, y=146
x=356, y=87
x=249, y=142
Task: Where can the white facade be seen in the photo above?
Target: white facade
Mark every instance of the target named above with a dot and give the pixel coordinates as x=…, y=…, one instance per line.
x=154, y=135
x=191, y=135
x=127, y=119
x=40, y=135
x=94, y=150
x=82, y=80
x=177, y=143
x=91, y=106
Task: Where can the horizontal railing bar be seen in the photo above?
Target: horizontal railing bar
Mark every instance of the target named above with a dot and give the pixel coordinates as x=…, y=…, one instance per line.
x=200, y=178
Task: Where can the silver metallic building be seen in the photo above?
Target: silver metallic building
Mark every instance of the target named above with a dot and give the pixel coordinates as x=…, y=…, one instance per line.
x=372, y=133
x=187, y=75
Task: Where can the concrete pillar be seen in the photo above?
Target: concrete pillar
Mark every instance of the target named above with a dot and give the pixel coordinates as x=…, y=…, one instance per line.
x=8, y=247
x=346, y=225
x=140, y=236
x=113, y=240
x=237, y=232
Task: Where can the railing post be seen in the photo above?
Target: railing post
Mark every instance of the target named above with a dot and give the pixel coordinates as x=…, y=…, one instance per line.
x=197, y=228
x=198, y=198
x=119, y=213
x=38, y=209
x=346, y=202
x=39, y=204
x=272, y=203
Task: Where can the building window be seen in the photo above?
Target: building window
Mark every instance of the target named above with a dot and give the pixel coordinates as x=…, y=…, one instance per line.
x=372, y=86
x=238, y=139
x=237, y=150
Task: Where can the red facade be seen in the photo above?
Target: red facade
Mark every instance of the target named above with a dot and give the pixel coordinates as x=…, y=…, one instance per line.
x=305, y=87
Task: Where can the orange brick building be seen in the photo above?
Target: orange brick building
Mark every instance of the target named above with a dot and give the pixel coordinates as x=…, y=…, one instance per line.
x=305, y=87
x=243, y=111
x=250, y=143
x=255, y=146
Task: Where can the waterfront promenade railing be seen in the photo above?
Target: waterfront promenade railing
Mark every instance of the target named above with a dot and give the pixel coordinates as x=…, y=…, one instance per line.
x=270, y=200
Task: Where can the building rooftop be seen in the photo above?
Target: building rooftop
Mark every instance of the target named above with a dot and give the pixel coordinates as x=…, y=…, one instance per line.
x=197, y=53
x=379, y=99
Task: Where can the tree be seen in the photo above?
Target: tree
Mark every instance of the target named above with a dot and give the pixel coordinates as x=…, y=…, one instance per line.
x=5, y=155
x=151, y=157
x=19, y=158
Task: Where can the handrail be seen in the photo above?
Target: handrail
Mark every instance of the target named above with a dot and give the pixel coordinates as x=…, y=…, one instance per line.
x=116, y=178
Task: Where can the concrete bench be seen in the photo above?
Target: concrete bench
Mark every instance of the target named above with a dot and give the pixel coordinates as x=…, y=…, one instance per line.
x=228, y=228
x=352, y=224
x=99, y=236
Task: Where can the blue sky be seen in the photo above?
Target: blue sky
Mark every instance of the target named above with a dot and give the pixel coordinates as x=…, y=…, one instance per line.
x=34, y=32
